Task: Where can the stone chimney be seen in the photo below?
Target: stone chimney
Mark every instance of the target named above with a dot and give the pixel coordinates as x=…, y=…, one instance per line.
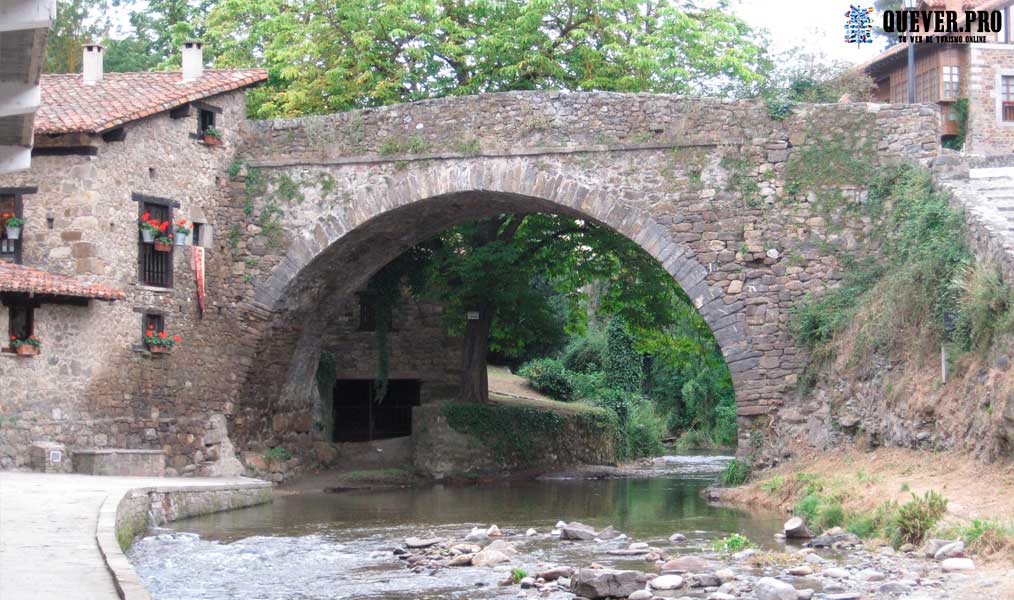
x=193, y=60
x=91, y=69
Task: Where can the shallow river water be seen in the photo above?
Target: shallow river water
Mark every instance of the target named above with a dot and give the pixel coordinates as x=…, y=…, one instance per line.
x=330, y=546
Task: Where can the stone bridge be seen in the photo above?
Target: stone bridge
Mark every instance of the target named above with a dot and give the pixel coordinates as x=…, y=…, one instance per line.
x=714, y=190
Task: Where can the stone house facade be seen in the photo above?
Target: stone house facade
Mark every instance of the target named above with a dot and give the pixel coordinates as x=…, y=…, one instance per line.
x=109, y=147
x=982, y=73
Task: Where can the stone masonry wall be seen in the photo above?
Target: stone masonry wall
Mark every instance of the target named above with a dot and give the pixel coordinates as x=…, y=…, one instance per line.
x=988, y=133
x=94, y=385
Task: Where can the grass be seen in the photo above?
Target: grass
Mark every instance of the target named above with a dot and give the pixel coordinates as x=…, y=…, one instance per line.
x=376, y=477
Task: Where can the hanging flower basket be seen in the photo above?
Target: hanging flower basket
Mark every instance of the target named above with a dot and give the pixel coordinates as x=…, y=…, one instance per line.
x=159, y=349
x=27, y=347
x=12, y=225
x=181, y=233
x=163, y=246
x=151, y=229
x=147, y=236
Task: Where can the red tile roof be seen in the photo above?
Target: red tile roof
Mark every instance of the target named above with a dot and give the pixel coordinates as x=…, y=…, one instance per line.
x=19, y=278
x=68, y=105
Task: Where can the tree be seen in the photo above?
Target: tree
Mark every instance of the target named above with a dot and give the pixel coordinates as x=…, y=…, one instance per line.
x=159, y=29
x=333, y=55
x=881, y=6
x=77, y=22
x=483, y=274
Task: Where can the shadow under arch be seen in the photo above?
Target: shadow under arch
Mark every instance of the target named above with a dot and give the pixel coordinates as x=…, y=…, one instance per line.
x=336, y=253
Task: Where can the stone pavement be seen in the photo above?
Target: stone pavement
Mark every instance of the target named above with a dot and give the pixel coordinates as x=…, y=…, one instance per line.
x=48, y=549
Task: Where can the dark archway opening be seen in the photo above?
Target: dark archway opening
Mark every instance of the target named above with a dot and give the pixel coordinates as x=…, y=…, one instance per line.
x=360, y=417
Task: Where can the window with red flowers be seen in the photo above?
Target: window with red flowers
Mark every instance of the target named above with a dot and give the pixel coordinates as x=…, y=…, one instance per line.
x=155, y=268
x=10, y=247
x=20, y=320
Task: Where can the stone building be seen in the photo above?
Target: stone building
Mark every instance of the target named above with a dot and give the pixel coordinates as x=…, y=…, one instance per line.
x=946, y=72
x=108, y=148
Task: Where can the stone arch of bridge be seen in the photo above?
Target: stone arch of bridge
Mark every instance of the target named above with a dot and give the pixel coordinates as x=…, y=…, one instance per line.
x=335, y=252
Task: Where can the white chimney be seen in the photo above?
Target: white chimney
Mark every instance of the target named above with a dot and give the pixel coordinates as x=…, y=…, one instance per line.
x=193, y=60
x=92, y=63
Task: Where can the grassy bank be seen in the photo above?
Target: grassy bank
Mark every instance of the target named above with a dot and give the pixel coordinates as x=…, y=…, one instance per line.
x=895, y=496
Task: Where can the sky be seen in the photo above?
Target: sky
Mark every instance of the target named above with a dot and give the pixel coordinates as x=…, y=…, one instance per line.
x=818, y=25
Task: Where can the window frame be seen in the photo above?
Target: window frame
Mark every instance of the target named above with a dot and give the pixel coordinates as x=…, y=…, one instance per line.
x=13, y=304
x=17, y=257
x=157, y=317
x=147, y=204
x=950, y=78
x=1005, y=97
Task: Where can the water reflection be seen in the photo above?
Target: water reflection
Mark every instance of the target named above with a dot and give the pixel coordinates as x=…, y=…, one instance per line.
x=289, y=548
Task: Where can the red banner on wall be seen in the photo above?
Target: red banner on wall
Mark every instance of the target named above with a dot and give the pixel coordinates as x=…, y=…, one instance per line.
x=197, y=262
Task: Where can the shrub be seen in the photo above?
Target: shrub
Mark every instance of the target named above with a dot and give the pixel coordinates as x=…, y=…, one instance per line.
x=984, y=307
x=586, y=385
x=518, y=574
x=623, y=364
x=735, y=473
x=278, y=454
x=644, y=430
x=732, y=543
x=550, y=377
x=914, y=519
x=586, y=354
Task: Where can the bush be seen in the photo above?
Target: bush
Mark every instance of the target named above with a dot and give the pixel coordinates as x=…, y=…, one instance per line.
x=913, y=520
x=732, y=543
x=984, y=308
x=735, y=473
x=549, y=376
x=644, y=430
x=623, y=364
x=586, y=385
x=586, y=354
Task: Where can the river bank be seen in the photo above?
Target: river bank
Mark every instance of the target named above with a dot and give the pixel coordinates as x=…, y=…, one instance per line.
x=628, y=536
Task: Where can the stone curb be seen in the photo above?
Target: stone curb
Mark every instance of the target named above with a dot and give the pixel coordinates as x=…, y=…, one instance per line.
x=125, y=579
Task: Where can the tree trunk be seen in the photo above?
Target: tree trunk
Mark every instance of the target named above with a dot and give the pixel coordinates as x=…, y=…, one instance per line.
x=474, y=381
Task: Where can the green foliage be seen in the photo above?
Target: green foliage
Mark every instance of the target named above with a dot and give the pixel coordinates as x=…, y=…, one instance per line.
x=517, y=574
x=733, y=543
x=623, y=364
x=642, y=431
x=550, y=377
x=984, y=308
x=586, y=353
x=325, y=56
x=736, y=473
x=287, y=189
x=914, y=519
x=469, y=146
x=410, y=145
x=235, y=235
x=778, y=107
x=277, y=454
x=327, y=375
x=773, y=485
x=800, y=76
x=960, y=107
x=513, y=433
x=234, y=169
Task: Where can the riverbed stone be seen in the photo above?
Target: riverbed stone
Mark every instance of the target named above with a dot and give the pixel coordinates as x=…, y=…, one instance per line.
x=845, y=596
x=556, y=573
x=769, y=588
x=686, y=563
x=607, y=583
x=952, y=550
x=725, y=575
x=804, y=594
x=493, y=531
x=666, y=582
x=957, y=564
x=835, y=573
x=461, y=560
x=489, y=557
x=699, y=580
x=871, y=575
x=578, y=532
x=677, y=538
x=415, y=542
x=932, y=546
x=641, y=595
x=894, y=587
x=801, y=571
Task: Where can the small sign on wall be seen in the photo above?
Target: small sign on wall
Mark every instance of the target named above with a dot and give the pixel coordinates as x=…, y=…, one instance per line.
x=472, y=315
x=55, y=456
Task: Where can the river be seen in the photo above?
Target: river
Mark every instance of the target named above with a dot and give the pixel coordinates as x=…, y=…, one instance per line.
x=333, y=546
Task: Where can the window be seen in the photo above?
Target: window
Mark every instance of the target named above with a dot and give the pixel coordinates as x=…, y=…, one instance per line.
x=952, y=113
x=926, y=87
x=1007, y=97
x=155, y=268
x=900, y=93
x=367, y=311
x=152, y=321
x=10, y=249
x=205, y=121
x=952, y=82
x=22, y=320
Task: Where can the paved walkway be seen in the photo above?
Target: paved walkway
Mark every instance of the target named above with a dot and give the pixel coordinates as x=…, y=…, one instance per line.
x=47, y=532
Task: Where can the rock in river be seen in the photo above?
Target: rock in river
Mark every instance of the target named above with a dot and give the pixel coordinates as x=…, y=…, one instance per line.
x=957, y=564
x=769, y=588
x=607, y=583
x=577, y=531
x=687, y=563
x=414, y=542
x=556, y=573
x=666, y=582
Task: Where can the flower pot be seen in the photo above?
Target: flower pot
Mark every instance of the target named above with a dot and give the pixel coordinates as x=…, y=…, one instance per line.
x=159, y=349
x=163, y=247
x=210, y=140
x=13, y=233
x=27, y=350
x=147, y=236
x=180, y=239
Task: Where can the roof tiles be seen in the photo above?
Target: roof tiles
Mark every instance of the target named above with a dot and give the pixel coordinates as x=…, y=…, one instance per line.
x=68, y=105
x=19, y=278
